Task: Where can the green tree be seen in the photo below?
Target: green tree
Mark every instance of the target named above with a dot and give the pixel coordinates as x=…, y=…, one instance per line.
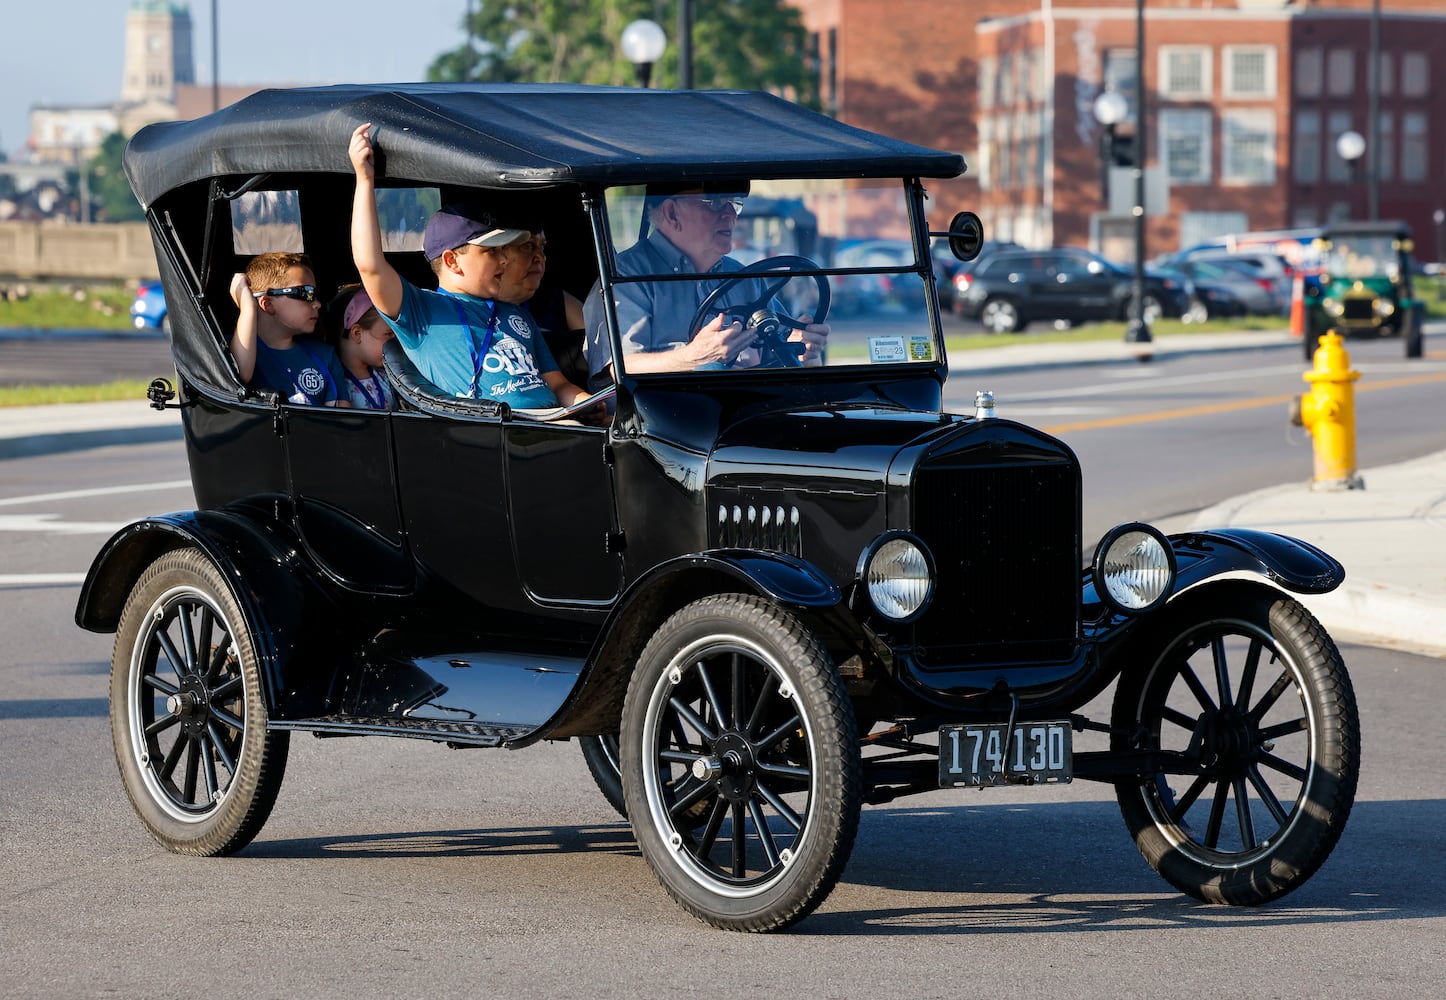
x=749, y=44
x=110, y=192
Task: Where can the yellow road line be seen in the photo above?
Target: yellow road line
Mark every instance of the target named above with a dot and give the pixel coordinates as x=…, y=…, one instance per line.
x=1230, y=407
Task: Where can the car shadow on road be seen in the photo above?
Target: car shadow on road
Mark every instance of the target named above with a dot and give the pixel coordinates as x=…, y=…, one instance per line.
x=1008, y=867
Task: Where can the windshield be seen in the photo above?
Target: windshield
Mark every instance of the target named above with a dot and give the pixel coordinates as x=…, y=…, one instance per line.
x=771, y=274
x=1361, y=256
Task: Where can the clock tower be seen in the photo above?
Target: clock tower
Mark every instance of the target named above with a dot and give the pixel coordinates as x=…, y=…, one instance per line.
x=158, y=52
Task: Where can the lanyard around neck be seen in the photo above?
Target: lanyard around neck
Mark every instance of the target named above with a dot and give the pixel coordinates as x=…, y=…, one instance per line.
x=478, y=357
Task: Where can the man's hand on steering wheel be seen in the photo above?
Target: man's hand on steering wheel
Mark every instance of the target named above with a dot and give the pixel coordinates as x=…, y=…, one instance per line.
x=721, y=341
x=814, y=337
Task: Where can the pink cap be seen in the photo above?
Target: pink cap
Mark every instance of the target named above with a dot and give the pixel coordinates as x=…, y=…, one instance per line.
x=359, y=304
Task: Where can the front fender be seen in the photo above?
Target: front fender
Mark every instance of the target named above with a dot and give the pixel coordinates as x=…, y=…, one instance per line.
x=289, y=629
x=1201, y=556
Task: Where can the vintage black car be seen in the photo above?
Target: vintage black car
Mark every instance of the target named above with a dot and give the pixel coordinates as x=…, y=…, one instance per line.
x=759, y=597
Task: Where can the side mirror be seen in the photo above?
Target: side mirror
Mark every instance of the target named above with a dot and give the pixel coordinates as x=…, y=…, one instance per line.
x=966, y=236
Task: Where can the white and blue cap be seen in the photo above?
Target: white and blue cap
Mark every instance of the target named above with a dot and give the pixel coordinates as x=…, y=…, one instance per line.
x=453, y=225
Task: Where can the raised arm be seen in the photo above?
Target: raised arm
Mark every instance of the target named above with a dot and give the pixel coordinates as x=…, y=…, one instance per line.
x=243, y=341
x=377, y=275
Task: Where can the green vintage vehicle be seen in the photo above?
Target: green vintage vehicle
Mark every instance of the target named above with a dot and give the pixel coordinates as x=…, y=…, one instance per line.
x=1363, y=286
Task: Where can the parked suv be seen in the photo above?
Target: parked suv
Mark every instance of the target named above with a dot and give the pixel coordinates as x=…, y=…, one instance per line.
x=1014, y=288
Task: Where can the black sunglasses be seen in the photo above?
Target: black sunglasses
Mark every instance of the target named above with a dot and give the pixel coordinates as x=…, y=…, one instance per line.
x=306, y=293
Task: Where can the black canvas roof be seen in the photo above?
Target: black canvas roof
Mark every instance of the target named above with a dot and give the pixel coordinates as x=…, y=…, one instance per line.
x=521, y=135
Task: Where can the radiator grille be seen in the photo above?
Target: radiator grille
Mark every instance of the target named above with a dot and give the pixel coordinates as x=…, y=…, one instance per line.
x=1005, y=540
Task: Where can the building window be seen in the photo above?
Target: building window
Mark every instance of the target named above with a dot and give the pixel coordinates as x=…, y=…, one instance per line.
x=988, y=73
x=1413, y=146
x=1185, y=141
x=1341, y=73
x=1119, y=76
x=1250, y=71
x=1006, y=79
x=1248, y=147
x=1337, y=169
x=1305, y=161
x=1185, y=72
x=1308, y=72
x=1385, y=146
x=1415, y=74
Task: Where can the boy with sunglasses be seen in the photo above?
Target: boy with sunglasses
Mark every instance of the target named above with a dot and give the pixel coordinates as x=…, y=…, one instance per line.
x=273, y=345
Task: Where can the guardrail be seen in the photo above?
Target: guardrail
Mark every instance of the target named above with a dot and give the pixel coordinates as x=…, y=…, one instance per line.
x=70, y=251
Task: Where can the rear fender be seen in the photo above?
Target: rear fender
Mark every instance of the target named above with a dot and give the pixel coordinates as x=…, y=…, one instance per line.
x=253, y=563
x=595, y=704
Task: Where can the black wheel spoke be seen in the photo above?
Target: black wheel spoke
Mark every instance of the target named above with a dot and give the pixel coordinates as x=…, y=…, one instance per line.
x=1280, y=729
x=1217, y=815
x=1247, y=674
x=1179, y=718
x=208, y=769
x=162, y=724
x=1268, y=700
x=740, y=694
x=1222, y=670
x=785, y=770
x=765, y=693
x=1285, y=767
x=1183, y=804
x=193, y=760
x=709, y=837
x=218, y=657
x=765, y=835
x=697, y=793
x=227, y=761
x=781, y=807
x=178, y=662
x=231, y=687
x=782, y=731
x=686, y=713
x=720, y=717
x=1267, y=795
x=172, y=758
x=159, y=683
x=1242, y=815
x=188, y=637
x=1192, y=681
x=226, y=718
x=740, y=840
x=684, y=757
x=204, y=658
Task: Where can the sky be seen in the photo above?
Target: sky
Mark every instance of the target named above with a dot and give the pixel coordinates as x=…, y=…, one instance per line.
x=72, y=52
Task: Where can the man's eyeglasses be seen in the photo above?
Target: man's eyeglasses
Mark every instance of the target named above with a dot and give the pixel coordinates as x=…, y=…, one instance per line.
x=717, y=205
x=526, y=249
x=306, y=293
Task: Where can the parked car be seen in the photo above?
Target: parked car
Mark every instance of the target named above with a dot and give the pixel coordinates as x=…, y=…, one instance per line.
x=1266, y=267
x=758, y=596
x=1254, y=296
x=1210, y=301
x=1364, y=286
x=1014, y=288
x=148, y=311
x=959, y=274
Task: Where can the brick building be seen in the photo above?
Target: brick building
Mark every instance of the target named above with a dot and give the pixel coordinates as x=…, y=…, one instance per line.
x=1244, y=103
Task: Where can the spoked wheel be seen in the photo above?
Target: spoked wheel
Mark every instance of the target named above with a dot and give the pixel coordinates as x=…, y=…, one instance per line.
x=187, y=717
x=740, y=697
x=1248, y=682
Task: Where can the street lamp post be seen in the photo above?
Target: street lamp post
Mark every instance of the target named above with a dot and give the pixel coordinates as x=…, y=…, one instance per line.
x=685, y=44
x=215, y=62
x=1138, y=332
x=1351, y=146
x=643, y=43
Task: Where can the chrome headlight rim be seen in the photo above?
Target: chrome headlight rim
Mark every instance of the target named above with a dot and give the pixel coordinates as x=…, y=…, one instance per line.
x=1102, y=551
x=873, y=551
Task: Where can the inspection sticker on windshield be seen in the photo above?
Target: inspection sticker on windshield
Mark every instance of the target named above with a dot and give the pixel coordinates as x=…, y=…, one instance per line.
x=897, y=349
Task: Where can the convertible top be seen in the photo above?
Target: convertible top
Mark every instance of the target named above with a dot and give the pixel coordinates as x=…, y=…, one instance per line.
x=521, y=135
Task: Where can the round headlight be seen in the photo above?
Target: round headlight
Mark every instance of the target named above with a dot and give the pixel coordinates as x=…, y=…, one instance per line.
x=898, y=578
x=1134, y=568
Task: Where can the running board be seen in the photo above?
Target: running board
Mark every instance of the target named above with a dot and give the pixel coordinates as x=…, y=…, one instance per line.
x=469, y=734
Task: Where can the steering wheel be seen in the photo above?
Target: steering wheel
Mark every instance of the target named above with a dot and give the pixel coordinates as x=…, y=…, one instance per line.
x=768, y=325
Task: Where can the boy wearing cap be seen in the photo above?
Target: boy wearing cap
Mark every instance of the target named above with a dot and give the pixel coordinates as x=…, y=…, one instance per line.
x=462, y=337
x=273, y=344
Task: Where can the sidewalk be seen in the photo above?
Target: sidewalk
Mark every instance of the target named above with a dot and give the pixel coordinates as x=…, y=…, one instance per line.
x=1391, y=536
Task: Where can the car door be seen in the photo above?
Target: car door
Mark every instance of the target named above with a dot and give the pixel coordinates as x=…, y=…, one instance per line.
x=1080, y=288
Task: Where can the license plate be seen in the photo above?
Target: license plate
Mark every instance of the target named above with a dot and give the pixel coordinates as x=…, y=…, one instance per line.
x=1037, y=753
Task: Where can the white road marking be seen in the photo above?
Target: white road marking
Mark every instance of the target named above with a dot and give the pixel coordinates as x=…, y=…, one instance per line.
x=39, y=579
x=100, y=491
x=51, y=524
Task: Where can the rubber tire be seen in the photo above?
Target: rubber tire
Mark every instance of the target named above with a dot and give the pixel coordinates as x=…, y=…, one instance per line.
x=1411, y=333
x=773, y=644
x=1153, y=311
x=1000, y=315
x=601, y=754
x=1327, y=746
x=185, y=578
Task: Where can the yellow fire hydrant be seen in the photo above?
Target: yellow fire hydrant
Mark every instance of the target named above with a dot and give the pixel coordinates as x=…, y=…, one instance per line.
x=1328, y=411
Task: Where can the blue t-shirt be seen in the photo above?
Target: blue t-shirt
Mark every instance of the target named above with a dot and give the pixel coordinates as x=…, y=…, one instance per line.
x=443, y=333
x=307, y=372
